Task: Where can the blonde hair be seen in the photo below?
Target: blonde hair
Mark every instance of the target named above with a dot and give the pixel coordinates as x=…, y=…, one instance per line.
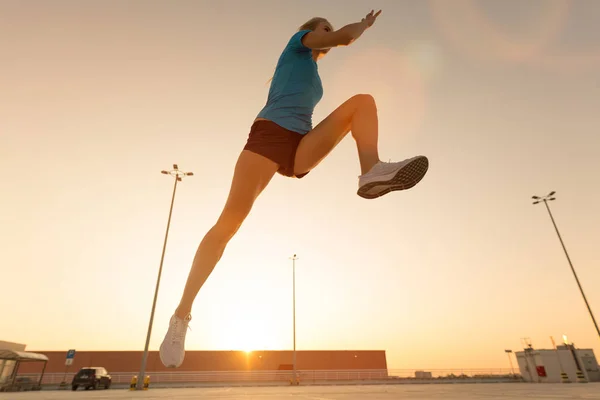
x=312, y=24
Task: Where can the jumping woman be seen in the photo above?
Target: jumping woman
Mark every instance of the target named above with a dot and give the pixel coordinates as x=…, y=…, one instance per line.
x=282, y=140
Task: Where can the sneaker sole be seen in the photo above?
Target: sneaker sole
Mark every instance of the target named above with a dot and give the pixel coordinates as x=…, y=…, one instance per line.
x=407, y=177
x=163, y=362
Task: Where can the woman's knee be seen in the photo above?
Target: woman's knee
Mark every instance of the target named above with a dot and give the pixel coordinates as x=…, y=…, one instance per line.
x=364, y=101
x=228, y=224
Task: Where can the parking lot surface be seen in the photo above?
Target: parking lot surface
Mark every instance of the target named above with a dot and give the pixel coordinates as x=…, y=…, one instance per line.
x=356, y=392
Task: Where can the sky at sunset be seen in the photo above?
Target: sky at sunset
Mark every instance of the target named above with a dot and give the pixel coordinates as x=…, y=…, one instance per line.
x=97, y=97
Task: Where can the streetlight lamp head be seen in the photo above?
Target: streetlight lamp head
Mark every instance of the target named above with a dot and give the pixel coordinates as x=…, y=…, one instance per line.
x=175, y=166
x=552, y=198
x=535, y=202
x=189, y=173
x=164, y=172
x=535, y=197
x=551, y=193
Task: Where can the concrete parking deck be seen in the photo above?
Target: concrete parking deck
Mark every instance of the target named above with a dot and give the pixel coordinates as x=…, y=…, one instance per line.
x=520, y=391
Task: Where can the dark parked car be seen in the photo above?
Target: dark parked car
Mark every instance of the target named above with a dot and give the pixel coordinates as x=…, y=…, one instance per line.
x=91, y=377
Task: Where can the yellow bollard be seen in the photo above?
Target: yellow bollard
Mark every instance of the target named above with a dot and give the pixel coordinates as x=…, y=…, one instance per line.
x=146, y=382
x=133, y=383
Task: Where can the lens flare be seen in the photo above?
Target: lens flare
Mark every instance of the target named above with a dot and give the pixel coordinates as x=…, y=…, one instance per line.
x=469, y=28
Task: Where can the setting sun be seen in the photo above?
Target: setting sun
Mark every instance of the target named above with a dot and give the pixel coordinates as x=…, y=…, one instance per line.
x=246, y=331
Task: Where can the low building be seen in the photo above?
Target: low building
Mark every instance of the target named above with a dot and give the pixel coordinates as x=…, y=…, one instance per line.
x=129, y=362
x=543, y=365
x=423, y=375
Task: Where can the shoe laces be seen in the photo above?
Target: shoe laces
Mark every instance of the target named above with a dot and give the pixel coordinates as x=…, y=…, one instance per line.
x=180, y=327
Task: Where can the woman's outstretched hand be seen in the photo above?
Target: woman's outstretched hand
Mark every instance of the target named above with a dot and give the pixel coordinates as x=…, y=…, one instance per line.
x=371, y=18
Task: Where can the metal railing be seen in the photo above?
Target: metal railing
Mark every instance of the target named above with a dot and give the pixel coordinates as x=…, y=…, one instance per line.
x=453, y=373
x=306, y=376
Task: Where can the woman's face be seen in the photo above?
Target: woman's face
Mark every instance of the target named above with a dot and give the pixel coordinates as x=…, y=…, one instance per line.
x=324, y=26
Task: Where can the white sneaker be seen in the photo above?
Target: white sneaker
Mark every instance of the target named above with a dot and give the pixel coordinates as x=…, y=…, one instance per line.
x=172, y=349
x=387, y=177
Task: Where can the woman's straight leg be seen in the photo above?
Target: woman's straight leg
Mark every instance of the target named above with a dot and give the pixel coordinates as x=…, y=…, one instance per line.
x=252, y=174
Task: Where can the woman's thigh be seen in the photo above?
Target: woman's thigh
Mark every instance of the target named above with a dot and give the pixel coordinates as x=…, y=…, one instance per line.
x=251, y=176
x=319, y=142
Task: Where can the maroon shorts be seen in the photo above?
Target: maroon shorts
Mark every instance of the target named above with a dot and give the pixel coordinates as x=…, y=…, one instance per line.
x=275, y=143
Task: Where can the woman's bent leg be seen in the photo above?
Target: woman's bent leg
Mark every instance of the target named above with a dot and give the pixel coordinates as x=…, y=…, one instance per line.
x=359, y=115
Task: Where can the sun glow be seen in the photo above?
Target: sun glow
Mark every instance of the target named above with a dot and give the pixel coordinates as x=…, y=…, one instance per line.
x=249, y=335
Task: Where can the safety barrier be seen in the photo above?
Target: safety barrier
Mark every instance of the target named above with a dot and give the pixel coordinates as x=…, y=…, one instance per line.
x=304, y=376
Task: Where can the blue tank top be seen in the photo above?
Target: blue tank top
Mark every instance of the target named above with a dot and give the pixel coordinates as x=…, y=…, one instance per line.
x=296, y=88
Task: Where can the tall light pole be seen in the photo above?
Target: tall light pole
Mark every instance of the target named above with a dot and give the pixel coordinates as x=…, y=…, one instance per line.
x=178, y=175
x=546, y=199
x=294, y=258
